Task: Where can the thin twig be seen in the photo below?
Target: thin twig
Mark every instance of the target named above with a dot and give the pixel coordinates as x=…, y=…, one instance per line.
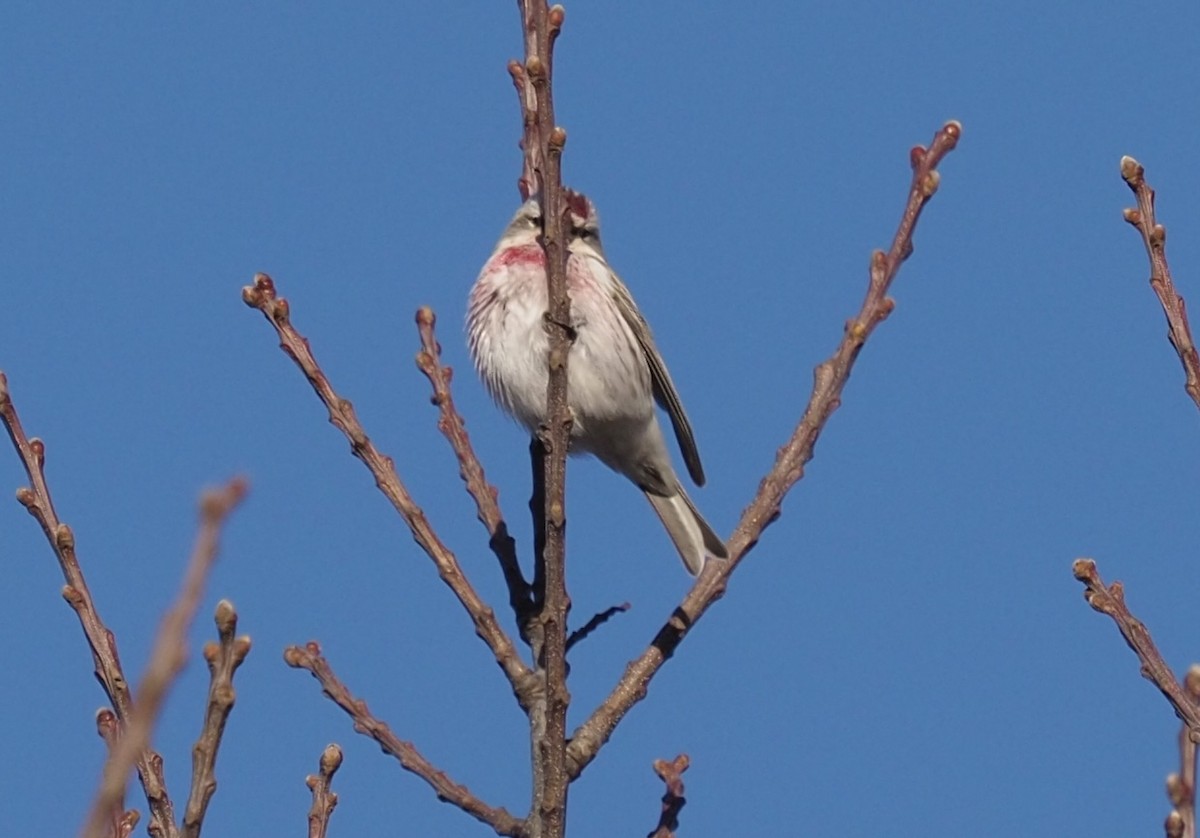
x=830, y=379
x=168, y=656
x=543, y=143
x=309, y=657
x=223, y=657
x=103, y=644
x=1185, y=697
x=673, y=800
x=528, y=183
x=1154, y=237
x=1110, y=600
x=323, y=798
x=597, y=620
x=122, y=821
x=452, y=426
x=1181, y=787
x=262, y=296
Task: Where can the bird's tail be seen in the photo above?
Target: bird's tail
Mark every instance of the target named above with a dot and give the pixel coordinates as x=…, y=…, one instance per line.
x=693, y=537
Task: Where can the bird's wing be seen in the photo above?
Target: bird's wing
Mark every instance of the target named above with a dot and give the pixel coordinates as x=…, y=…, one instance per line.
x=664, y=389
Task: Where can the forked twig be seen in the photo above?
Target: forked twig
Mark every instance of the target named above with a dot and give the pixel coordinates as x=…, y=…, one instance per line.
x=829, y=381
x=263, y=297
x=103, y=644
x=309, y=657
x=673, y=800
x=167, y=658
x=223, y=658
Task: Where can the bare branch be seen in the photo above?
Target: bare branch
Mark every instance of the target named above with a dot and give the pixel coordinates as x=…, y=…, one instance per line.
x=36, y=499
x=528, y=183
x=1110, y=600
x=168, y=656
x=452, y=426
x=323, y=799
x=223, y=658
x=829, y=381
x=673, y=800
x=262, y=296
x=309, y=657
x=1181, y=787
x=1154, y=237
x=543, y=146
x=597, y=620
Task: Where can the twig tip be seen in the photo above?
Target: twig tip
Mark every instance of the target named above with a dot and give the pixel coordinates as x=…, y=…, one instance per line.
x=225, y=617
x=1132, y=171
x=260, y=293
x=331, y=759
x=668, y=769
x=1084, y=569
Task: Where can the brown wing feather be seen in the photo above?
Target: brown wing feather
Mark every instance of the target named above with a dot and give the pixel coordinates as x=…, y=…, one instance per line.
x=664, y=389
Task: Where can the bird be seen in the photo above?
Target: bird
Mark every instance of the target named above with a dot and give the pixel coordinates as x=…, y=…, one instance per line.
x=615, y=372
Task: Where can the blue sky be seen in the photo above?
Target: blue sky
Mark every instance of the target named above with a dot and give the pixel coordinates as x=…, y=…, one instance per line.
x=905, y=652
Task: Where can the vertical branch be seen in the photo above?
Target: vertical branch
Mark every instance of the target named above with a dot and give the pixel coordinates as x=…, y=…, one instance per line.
x=223, y=658
x=323, y=798
x=537, y=508
x=1181, y=787
x=543, y=145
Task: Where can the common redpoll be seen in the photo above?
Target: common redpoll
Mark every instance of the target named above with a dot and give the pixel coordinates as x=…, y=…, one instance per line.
x=615, y=373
